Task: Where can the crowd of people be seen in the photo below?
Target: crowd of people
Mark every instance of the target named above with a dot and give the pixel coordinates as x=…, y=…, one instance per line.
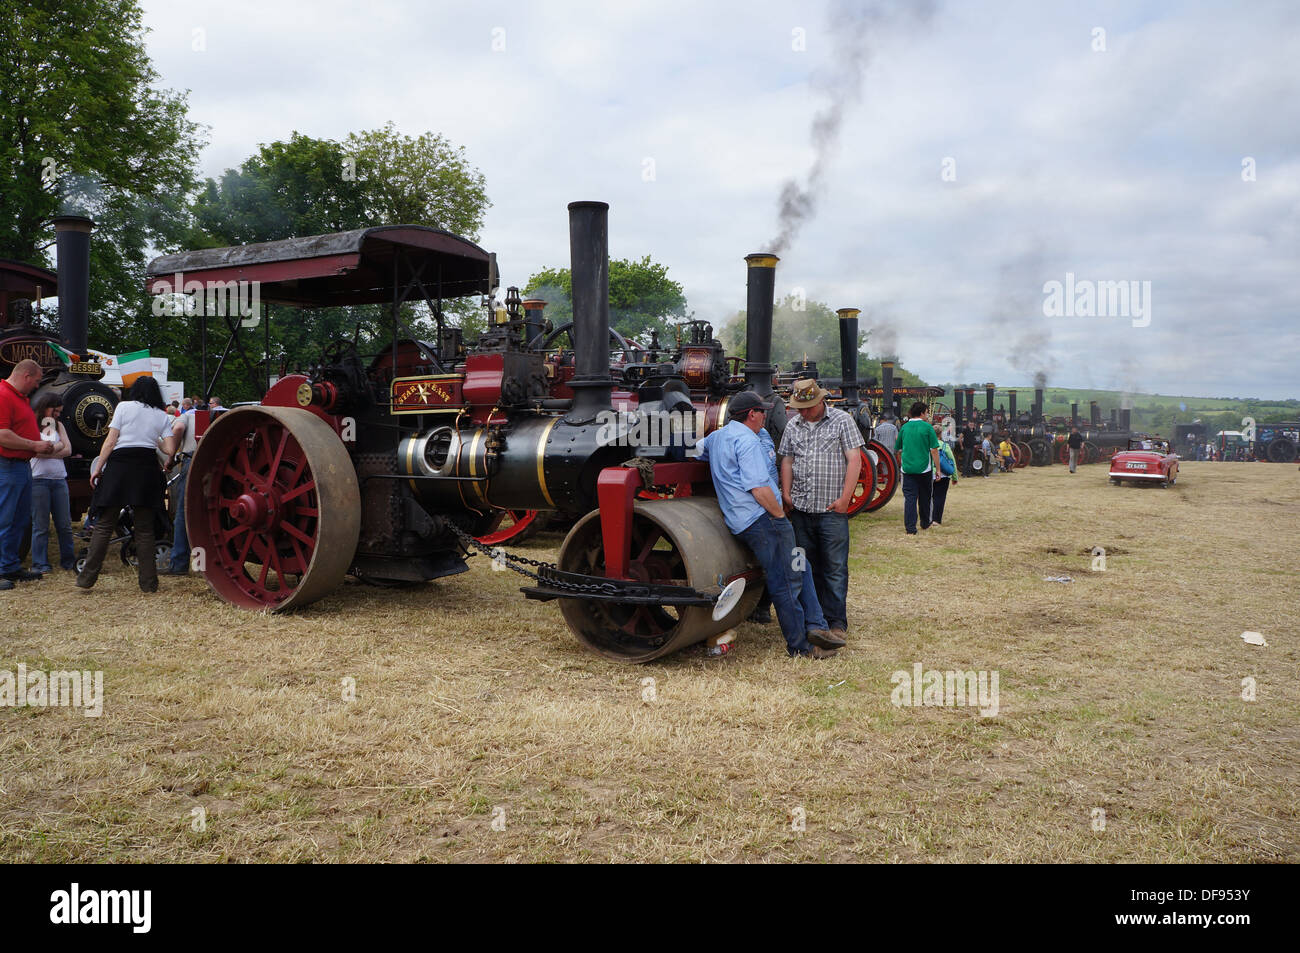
x=126, y=477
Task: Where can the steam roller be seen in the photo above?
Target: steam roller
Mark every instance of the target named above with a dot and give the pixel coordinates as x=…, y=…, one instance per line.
x=392, y=467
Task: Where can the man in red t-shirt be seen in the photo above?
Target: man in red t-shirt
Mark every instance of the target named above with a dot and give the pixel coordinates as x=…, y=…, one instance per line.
x=20, y=440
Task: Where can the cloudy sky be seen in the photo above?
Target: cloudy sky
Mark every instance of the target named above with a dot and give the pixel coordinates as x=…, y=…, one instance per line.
x=968, y=154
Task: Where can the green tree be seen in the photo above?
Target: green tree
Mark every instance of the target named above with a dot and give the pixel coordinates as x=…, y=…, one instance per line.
x=84, y=130
x=642, y=297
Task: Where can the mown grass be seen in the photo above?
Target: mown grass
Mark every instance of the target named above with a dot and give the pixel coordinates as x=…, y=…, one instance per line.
x=481, y=731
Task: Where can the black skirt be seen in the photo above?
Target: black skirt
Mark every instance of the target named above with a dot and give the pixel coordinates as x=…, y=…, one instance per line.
x=131, y=477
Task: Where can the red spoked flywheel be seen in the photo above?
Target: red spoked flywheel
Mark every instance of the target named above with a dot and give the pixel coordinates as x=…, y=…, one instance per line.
x=886, y=467
x=866, y=489
x=272, y=507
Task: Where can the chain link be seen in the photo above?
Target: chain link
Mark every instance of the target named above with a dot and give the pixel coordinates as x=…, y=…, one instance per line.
x=548, y=570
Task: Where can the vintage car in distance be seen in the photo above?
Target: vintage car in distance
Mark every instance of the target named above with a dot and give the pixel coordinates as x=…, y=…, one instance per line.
x=1147, y=460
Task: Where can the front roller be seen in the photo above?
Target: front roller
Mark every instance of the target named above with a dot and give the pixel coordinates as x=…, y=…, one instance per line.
x=681, y=542
x=273, y=506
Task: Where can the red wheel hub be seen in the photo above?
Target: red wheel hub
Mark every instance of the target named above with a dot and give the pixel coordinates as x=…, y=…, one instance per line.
x=255, y=509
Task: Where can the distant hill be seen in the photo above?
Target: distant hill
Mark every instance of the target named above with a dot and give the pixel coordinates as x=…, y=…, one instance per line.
x=1152, y=413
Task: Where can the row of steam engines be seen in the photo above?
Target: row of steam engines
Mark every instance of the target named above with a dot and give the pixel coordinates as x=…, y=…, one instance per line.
x=88, y=404
x=1038, y=440
x=387, y=466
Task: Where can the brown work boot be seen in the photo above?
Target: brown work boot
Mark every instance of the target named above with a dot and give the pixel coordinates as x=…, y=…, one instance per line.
x=819, y=653
x=825, y=639
x=840, y=634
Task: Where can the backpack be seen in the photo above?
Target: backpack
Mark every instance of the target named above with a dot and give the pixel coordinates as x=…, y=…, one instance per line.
x=947, y=466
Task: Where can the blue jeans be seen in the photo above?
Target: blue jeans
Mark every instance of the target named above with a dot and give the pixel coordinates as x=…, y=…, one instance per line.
x=180, y=561
x=917, y=491
x=793, y=595
x=825, y=539
x=50, y=499
x=15, y=510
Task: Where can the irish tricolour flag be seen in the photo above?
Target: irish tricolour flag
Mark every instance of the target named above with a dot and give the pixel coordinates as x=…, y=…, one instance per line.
x=67, y=357
x=134, y=366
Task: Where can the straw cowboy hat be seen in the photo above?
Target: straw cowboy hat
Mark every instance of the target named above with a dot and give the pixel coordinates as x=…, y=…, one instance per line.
x=807, y=393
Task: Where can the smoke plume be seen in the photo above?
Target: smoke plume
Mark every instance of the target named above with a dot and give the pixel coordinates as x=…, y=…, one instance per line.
x=854, y=26
x=1016, y=326
x=884, y=338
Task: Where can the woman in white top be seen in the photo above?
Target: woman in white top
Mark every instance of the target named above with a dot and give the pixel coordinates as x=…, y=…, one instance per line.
x=126, y=473
x=50, y=489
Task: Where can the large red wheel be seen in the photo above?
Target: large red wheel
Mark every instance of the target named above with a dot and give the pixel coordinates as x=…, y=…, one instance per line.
x=866, y=488
x=886, y=475
x=515, y=526
x=1090, y=452
x=1026, y=455
x=1063, y=453
x=273, y=506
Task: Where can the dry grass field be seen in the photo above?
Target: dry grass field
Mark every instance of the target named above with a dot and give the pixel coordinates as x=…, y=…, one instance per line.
x=1120, y=692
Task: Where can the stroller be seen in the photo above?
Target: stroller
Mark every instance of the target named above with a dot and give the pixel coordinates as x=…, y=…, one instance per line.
x=125, y=533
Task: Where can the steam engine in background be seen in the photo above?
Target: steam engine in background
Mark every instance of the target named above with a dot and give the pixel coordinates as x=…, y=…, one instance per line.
x=87, y=404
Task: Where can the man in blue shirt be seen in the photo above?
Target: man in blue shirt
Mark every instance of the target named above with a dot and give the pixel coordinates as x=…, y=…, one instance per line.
x=744, y=473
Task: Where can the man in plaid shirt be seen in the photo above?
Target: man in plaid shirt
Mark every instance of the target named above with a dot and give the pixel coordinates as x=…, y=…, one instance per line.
x=821, y=458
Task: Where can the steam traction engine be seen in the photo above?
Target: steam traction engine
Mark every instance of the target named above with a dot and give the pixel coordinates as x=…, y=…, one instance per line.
x=386, y=468
x=88, y=404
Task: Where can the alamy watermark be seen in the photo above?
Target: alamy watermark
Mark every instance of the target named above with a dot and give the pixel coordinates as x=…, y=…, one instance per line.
x=648, y=428
x=945, y=689
x=1084, y=298
x=179, y=298
x=35, y=688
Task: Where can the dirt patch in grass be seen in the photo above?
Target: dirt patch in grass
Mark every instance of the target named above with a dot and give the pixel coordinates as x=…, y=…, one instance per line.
x=481, y=731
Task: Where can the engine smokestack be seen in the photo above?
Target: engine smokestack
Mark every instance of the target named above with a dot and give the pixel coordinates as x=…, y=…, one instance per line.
x=1125, y=419
x=958, y=407
x=760, y=287
x=970, y=402
x=887, y=389
x=1011, y=408
x=534, y=322
x=988, y=400
x=849, y=355
x=589, y=264
x=1038, y=404
x=1094, y=414
x=1074, y=413
x=1114, y=419
x=72, y=236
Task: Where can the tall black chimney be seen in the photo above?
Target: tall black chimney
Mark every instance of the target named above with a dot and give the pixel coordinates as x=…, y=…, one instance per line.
x=1114, y=419
x=957, y=407
x=1011, y=408
x=1038, y=404
x=887, y=388
x=760, y=288
x=1094, y=414
x=1125, y=419
x=1074, y=413
x=589, y=269
x=988, y=400
x=849, y=355
x=970, y=403
x=72, y=237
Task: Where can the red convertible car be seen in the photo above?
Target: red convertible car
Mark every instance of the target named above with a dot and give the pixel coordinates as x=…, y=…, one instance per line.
x=1147, y=460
